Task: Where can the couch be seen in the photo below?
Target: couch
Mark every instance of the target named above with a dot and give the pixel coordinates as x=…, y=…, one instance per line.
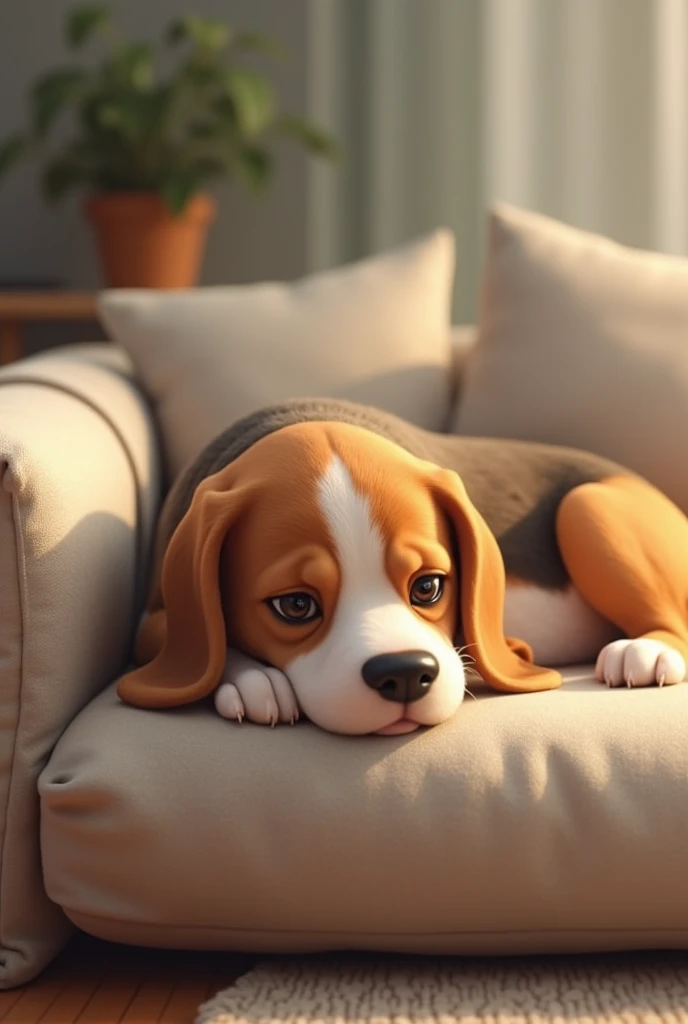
x=548, y=822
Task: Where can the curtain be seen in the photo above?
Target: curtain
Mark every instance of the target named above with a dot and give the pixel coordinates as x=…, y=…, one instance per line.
x=575, y=108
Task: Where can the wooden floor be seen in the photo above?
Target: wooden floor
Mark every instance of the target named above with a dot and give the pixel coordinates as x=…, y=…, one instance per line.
x=96, y=982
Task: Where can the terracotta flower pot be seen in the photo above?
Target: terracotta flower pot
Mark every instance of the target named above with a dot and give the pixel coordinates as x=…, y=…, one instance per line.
x=143, y=245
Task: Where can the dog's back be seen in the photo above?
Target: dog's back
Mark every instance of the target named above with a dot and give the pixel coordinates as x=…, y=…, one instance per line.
x=516, y=486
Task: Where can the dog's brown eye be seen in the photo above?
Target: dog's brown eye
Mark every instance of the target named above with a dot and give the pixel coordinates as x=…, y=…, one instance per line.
x=427, y=589
x=295, y=608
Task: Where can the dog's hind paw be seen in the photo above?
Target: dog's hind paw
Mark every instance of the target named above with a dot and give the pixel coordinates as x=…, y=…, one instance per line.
x=253, y=692
x=640, y=662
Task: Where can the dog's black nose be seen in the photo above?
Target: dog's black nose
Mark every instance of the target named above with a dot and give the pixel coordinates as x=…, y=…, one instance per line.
x=403, y=677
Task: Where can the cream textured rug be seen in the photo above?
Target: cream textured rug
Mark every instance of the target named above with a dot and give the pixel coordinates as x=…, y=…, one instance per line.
x=651, y=988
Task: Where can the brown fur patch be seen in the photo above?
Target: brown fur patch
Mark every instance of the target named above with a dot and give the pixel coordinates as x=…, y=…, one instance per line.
x=625, y=545
x=282, y=544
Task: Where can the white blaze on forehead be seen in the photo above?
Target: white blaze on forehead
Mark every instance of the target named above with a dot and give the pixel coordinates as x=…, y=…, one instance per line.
x=347, y=512
x=370, y=618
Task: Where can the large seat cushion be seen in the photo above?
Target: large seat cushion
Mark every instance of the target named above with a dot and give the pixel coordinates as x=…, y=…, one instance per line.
x=377, y=331
x=542, y=822
x=581, y=342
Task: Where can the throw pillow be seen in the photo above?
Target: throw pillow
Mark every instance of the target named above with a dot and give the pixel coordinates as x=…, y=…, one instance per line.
x=582, y=342
x=376, y=331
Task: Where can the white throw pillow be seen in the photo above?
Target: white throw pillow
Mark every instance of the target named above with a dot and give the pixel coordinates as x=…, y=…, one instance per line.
x=376, y=331
x=581, y=342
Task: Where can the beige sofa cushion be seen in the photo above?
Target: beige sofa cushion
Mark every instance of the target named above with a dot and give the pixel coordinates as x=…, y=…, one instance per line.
x=541, y=822
x=377, y=332
x=581, y=342
x=78, y=492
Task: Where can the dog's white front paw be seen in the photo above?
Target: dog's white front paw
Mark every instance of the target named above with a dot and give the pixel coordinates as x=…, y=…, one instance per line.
x=640, y=662
x=255, y=692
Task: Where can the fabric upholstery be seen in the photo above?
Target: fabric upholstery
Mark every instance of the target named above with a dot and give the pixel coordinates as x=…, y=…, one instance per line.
x=582, y=342
x=103, y=377
x=536, y=822
x=79, y=483
x=376, y=331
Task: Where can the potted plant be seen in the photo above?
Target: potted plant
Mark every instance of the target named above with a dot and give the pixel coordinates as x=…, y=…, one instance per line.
x=145, y=143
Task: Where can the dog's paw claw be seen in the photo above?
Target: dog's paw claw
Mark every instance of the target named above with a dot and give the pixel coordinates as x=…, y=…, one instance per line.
x=228, y=702
x=639, y=662
x=255, y=692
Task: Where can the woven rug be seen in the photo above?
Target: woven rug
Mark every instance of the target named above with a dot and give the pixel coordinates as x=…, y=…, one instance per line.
x=651, y=988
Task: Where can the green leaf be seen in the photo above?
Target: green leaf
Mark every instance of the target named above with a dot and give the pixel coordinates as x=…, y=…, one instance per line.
x=258, y=42
x=203, y=129
x=62, y=175
x=205, y=168
x=116, y=117
x=205, y=33
x=200, y=74
x=177, y=188
x=255, y=165
x=313, y=138
x=12, y=149
x=54, y=93
x=82, y=22
x=224, y=113
x=133, y=65
x=253, y=100
x=129, y=116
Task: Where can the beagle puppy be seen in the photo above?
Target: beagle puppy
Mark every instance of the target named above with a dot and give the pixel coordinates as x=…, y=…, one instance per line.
x=327, y=559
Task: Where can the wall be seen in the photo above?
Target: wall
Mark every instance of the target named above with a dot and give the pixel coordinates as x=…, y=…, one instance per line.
x=252, y=239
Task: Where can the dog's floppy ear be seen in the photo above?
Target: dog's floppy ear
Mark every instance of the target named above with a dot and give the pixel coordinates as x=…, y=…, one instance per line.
x=504, y=663
x=182, y=640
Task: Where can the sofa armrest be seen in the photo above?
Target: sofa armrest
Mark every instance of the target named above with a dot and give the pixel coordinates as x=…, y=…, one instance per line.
x=79, y=491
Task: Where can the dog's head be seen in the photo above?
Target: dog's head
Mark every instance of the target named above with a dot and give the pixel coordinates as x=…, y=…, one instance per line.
x=334, y=555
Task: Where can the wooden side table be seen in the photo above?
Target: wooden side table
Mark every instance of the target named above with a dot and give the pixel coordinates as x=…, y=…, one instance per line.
x=22, y=307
